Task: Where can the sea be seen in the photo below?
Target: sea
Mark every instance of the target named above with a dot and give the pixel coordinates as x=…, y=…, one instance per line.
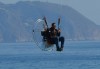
x=27, y=55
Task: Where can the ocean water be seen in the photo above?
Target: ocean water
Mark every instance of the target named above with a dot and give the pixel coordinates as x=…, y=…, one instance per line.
x=76, y=55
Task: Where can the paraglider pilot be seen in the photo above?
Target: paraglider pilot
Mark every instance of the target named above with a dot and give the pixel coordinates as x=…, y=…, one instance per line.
x=53, y=36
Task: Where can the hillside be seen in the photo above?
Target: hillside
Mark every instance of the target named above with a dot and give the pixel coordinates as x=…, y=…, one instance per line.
x=16, y=21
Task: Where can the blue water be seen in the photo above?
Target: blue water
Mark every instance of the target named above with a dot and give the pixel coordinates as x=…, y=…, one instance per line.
x=76, y=55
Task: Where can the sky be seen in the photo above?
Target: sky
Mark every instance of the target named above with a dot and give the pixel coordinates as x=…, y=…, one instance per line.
x=89, y=8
